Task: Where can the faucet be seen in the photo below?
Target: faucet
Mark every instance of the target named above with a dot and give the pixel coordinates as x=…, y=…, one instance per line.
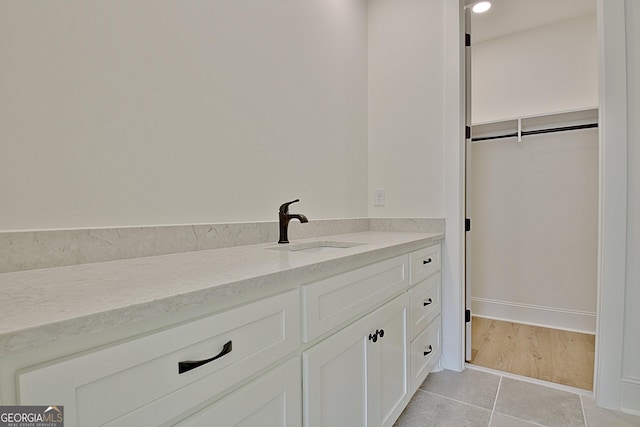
x=285, y=217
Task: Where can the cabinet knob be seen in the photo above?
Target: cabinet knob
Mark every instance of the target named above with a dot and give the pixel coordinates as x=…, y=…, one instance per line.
x=426, y=261
x=379, y=333
x=428, y=351
x=428, y=302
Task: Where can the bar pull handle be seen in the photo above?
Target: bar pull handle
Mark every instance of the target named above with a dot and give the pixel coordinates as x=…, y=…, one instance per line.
x=426, y=353
x=188, y=365
x=428, y=302
x=426, y=261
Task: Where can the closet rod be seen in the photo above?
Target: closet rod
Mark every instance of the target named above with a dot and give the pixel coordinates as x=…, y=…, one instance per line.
x=486, y=138
x=537, y=132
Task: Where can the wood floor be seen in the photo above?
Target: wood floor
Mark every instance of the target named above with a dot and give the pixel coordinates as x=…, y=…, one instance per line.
x=547, y=354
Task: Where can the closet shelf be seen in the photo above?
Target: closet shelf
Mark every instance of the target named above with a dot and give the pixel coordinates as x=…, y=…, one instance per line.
x=532, y=125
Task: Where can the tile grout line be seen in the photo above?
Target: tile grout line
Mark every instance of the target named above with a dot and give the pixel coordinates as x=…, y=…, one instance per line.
x=584, y=416
x=533, y=423
x=531, y=380
x=509, y=415
x=453, y=400
x=495, y=401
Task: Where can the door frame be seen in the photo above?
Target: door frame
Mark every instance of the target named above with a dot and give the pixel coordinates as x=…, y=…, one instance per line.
x=453, y=304
x=612, y=218
x=612, y=197
x=468, y=210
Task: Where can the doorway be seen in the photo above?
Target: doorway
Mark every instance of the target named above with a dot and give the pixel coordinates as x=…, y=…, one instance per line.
x=532, y=192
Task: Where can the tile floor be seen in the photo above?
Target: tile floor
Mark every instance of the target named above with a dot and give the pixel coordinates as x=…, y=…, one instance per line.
x=480, y=399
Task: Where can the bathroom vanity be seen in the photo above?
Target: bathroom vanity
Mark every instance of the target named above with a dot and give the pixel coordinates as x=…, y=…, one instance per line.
x=340, y=332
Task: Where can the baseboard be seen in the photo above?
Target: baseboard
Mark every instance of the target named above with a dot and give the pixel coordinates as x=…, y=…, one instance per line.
x=630, y=396
x=548, y=317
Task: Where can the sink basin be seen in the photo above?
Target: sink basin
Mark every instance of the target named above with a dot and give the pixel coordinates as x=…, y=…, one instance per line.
x=316, y=247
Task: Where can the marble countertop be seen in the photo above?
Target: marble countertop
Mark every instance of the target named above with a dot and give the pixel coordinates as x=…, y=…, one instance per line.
x=39, y=306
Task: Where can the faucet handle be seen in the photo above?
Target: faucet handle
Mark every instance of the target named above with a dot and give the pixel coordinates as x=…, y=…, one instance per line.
x=284, y=208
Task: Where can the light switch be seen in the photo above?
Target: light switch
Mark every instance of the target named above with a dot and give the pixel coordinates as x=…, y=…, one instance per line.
x=378, y=197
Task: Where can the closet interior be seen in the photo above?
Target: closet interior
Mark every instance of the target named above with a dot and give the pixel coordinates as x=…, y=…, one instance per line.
x=532, y=196
x=534, y=204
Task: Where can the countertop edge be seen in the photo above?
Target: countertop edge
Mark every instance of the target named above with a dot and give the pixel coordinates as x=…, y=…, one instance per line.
x=247, y=290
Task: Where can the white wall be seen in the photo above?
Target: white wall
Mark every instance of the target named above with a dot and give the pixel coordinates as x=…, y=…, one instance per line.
x=545, y=69
x=406, y=115
x=534, y=235
x=160, y=112
x=534, y=205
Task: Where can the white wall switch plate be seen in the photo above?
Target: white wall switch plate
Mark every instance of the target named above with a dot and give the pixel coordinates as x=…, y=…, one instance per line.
x=378, y=197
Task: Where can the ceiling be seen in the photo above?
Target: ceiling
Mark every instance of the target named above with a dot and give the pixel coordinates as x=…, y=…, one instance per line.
x=510, y=16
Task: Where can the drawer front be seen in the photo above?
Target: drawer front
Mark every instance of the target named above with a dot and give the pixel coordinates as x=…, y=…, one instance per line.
x=271, y=400
x=425, y=353
x=425, y=262
x=335, y=301
x=105, y=384
x=425, y=303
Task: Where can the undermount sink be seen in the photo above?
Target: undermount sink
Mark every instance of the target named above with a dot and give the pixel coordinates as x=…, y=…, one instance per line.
x=319, y=246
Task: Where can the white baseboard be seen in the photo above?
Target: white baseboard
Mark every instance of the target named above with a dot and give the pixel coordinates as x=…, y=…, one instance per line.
x=630, y=396
x=549, y=317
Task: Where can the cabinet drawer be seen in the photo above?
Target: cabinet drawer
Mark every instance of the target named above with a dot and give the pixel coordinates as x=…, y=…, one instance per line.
x=425, y=352
x=424, y=262
x=425, y=303
x=332, y=302
x=105, y=384
x=272, y=400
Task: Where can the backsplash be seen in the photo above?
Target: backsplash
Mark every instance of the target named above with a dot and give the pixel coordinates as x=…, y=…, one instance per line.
x=28, y=250
x=416, y=225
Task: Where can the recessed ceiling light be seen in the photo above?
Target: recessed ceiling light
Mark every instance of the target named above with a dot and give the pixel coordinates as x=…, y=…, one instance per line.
x=481, y=7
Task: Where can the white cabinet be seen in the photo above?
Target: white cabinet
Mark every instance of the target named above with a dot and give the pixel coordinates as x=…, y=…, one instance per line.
x=348, y=350
x=359, y=375
x=425, y=291
x=365, y=374
x=388, y=364
x=146, y=381
x=273, y=400
x=337, y=300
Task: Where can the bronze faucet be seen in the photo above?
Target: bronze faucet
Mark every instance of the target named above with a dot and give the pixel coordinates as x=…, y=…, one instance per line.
x=285, y=217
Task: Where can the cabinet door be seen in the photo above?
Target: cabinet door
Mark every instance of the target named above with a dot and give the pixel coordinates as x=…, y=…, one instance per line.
x=359, y=375
x=273, y=400
x=388, y=364
x=335, y=380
